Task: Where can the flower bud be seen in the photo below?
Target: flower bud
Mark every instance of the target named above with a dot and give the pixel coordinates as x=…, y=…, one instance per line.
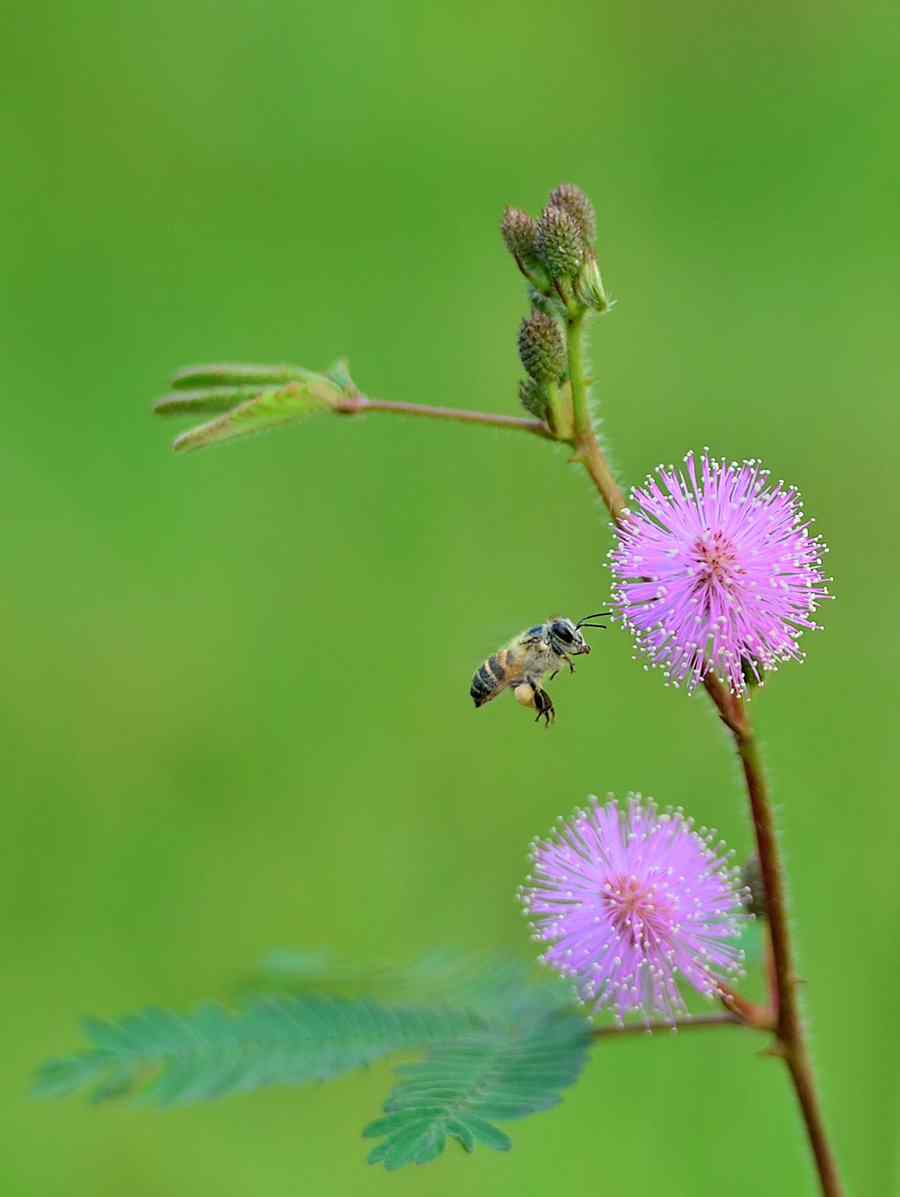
x=589, y=285
x=573, y=200
x=754, y=891
x=534, y=398
x=541, y=348
x=559, y=243
x=519, y=232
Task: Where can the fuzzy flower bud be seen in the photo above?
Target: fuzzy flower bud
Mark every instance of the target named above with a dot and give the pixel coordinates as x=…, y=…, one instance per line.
x=519, y=232
x=559, y=243
x=541, y=348
x=573, y=200
x=533, y=397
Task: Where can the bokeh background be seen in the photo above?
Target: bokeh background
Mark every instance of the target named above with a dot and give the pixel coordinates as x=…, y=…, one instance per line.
x=234, y=708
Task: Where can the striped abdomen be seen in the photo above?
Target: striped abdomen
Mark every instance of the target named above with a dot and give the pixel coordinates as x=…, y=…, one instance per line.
x=493, y=676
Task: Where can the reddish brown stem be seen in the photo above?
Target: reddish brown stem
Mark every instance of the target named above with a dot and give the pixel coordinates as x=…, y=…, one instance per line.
x=760, y=1018
x=357, y=404
x=788, y=1025
x=784, y=1017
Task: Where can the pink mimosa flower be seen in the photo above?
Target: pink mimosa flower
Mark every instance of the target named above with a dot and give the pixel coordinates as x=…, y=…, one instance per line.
x=717, y=571
x=627, y=900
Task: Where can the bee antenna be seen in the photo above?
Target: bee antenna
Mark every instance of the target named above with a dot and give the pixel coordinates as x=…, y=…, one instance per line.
x=583, y=623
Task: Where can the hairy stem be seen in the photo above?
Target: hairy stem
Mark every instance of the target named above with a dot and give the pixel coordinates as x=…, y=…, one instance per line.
x=355, y=405
x=697, y=1022
x=788, y=1025
x=587, y=447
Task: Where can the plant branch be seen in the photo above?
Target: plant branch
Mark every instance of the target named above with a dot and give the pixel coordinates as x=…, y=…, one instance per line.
x=787, y=1025
x=697, y=1022
x=751, y=1014
x=587, y=447
x=357, y=404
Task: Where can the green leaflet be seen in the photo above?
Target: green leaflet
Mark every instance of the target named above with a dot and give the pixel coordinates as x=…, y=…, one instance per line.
x=204, y=400
x=500, y=1073
x=271, y=408
x=250, y=398
x=177, y=1059
x=226, y=374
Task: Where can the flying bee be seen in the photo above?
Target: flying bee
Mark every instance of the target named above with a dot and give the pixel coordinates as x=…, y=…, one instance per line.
x=527, y=658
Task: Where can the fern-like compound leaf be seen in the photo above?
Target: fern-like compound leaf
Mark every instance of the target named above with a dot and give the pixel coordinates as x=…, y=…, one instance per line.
x=177, y=1059
x=499, y=1073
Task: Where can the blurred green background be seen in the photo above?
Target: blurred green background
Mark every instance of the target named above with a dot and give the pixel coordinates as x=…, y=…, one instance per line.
x=235, y=710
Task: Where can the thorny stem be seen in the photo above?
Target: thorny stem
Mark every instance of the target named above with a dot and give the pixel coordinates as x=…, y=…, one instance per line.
x=784, y=1018
x=356, y=404
x=788, y=1026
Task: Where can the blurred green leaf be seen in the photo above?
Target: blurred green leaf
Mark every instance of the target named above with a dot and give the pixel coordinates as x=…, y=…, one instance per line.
x=481, y=981
x=340, y=373
x=271, y=408
x=508, y=1071
x=218, y=374
x=177, y=1059
x=204, y=399
x=507, y=1052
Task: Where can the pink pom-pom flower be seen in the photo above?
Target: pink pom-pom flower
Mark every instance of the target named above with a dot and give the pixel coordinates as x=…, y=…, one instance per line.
x=628, y=900
x=717, y=570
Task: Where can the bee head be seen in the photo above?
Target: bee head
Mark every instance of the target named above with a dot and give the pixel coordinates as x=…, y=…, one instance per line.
x=567, y=637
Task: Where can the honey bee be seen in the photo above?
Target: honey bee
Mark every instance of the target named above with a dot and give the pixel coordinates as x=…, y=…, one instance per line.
x=527, y=658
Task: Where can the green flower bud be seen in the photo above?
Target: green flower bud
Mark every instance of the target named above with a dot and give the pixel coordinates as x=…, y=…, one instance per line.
x=573, y=200
x=589, y=285
x=541, y=348
x=559, y=243
x=533, y=397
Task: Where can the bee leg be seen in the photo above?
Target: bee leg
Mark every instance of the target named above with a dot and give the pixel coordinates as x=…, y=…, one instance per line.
x=544, y=704
x=570, y=663
x=554, y=674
